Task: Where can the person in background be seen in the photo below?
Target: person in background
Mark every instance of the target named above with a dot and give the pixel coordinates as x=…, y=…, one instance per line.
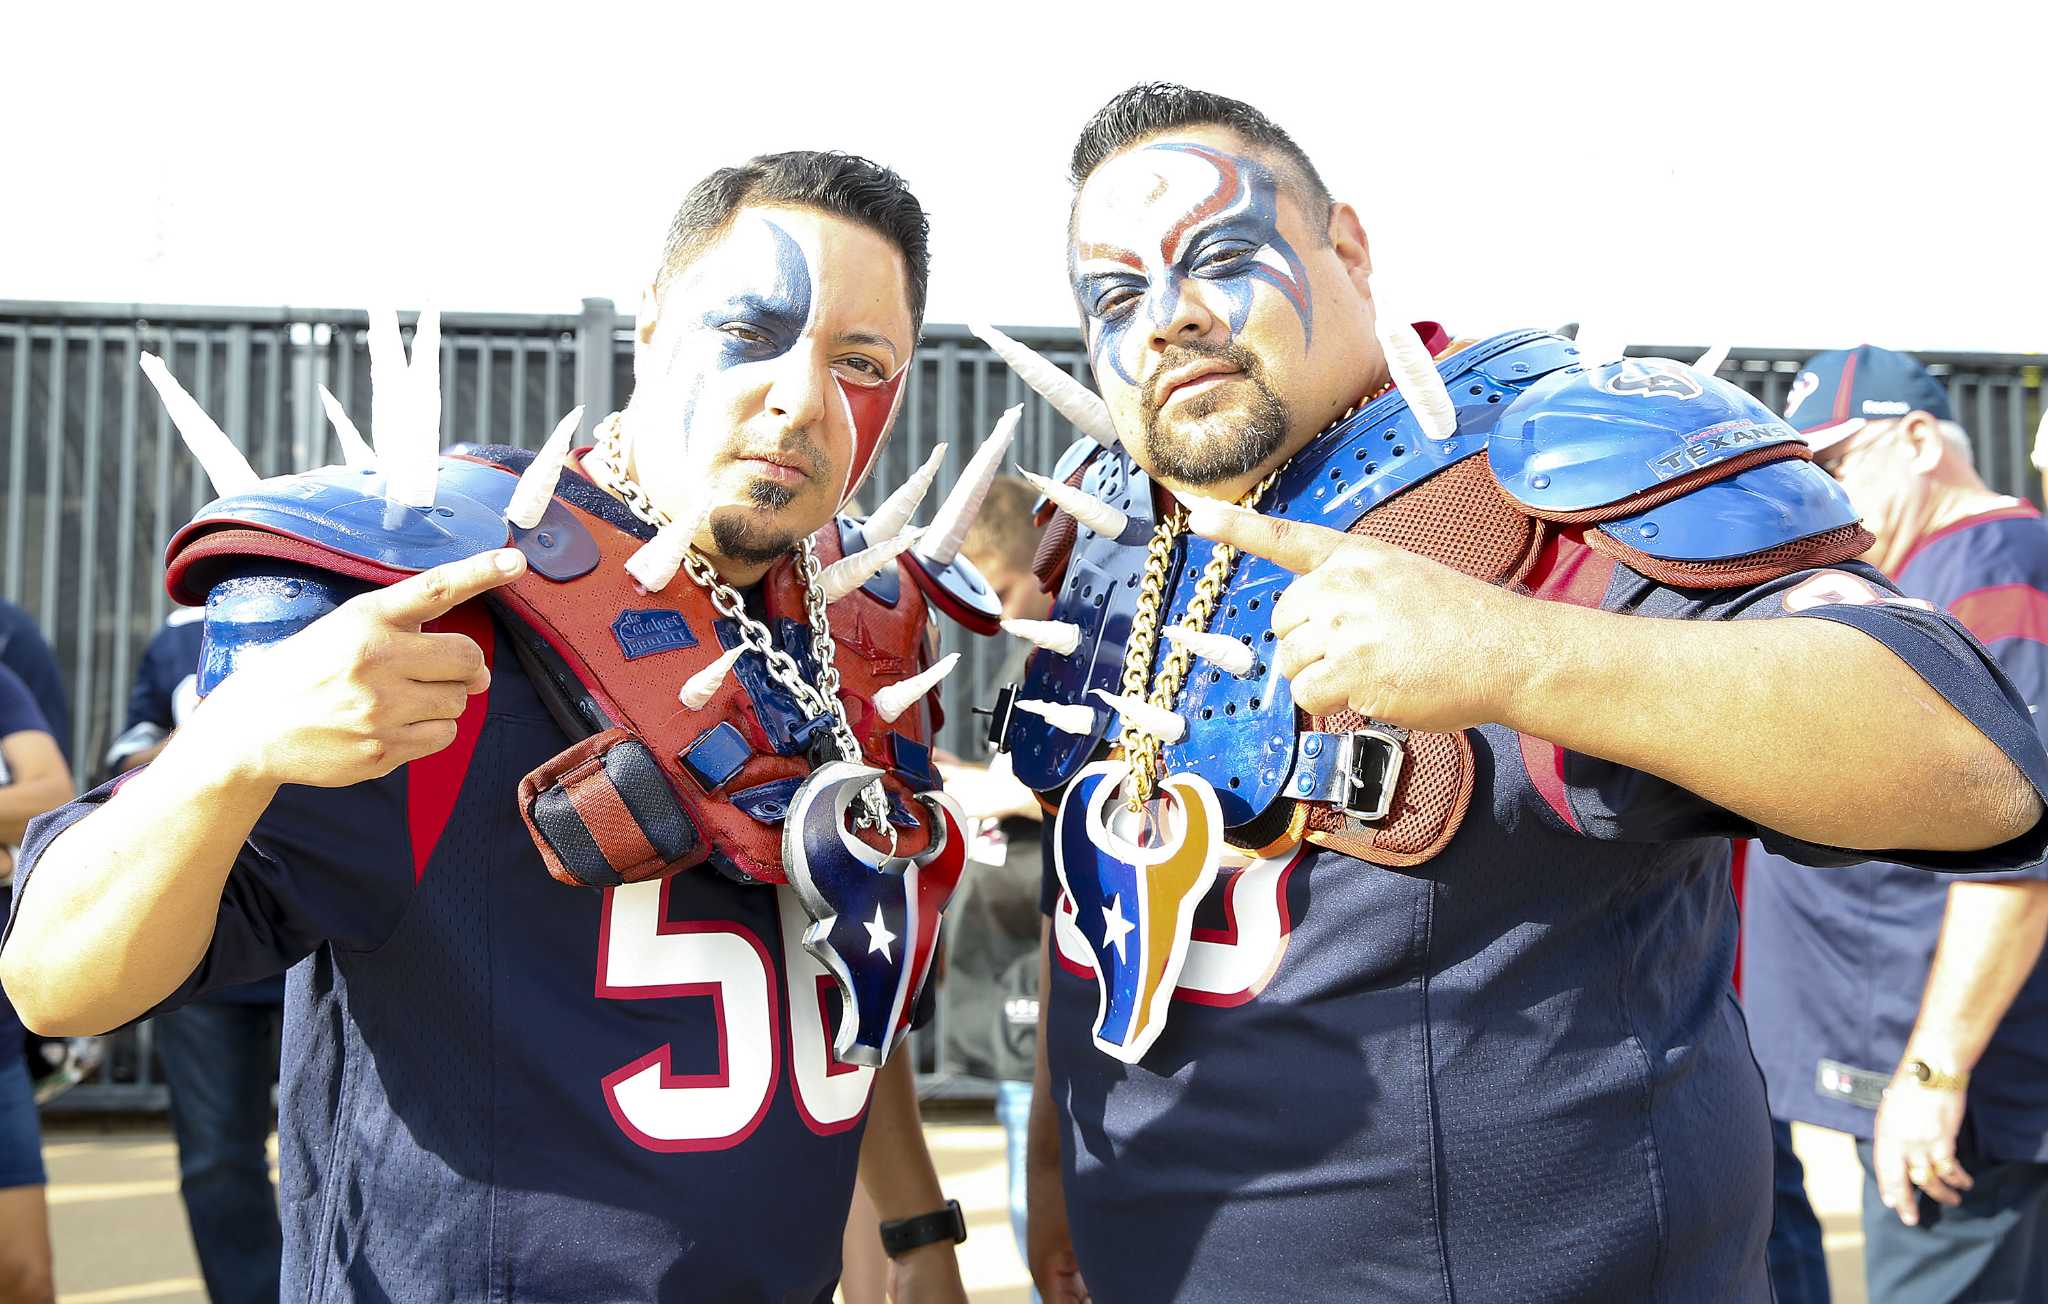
x=1907, y=1009
x=25, y=651
x=33, y=779
x=991, y=993
x=219, y=1054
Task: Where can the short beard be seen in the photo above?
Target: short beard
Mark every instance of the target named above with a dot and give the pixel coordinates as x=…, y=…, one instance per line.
x=737, y=535
x=1231, y=454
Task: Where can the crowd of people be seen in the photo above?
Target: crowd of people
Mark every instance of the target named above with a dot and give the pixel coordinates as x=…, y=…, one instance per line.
x=1558, y=655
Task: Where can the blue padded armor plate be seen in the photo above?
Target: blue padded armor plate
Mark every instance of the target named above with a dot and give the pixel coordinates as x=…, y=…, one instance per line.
x=885, y=585
x=1241, y=731
x=342, y=508
x=1100, y=595
x=258, y=606
x=1763, y=507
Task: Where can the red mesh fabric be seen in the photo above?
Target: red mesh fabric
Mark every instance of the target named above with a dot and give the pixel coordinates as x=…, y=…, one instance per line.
x=1049, y=563
x=1832, y=548
x=1461, y=517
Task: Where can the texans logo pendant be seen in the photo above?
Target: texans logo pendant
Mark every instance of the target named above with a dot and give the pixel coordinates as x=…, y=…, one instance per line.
x=874, y=916
x=1135, y=905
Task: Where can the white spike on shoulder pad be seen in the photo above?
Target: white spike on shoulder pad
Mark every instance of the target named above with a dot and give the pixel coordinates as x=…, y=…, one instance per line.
x=656, y=561
x=355, y=450
x=217, y=454
x=536, y=487
x=1414, y=373
x=897, y=509
x=1167, y=726
x=1079, y=720
x=388, y=390
x=849, y=573
x=1069, y=397
x=1597, y=350
x=1219, y=650
x=703, y=686
x=893, y=700
x=1083, y=506
x=1059, y=637
x=413, y=461
x=1710, y=361
x=948, y=530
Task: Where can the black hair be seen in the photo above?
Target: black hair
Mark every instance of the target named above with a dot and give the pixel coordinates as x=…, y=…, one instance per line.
x=845, y=185
x=1154, y=108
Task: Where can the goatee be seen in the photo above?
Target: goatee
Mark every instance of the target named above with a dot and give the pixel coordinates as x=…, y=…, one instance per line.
x=1215, y=456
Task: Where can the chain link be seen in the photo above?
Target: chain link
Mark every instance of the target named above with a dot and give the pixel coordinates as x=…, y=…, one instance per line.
x=1142, y=747
x=608, y=460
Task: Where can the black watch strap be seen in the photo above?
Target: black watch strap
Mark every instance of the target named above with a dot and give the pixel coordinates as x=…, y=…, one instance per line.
x=902, y=1235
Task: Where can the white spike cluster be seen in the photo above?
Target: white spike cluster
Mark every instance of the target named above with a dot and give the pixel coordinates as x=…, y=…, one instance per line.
x=1219, y=650
x=894, y=699
x=405, y=406
x=217, y=454
x=1167, y=726
x=1596, y=349
x=1069, y=397
x=849, y=573
x=1710, y=361
x=536, y=487
x=897, y=509
x=948, y=530
x=703, y=686
x=1061, y=716
x=1083, y=506
x=1058, y=637
x=1414, y=373
x=355, y=450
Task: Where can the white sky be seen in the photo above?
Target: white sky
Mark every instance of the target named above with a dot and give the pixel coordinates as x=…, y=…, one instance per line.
x=1779, y=174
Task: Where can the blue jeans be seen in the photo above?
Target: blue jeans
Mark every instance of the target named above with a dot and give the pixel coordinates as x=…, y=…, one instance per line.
x=219, y=1060
x=1990, y=1249
x=1798, y=1265
x=1013, y=1111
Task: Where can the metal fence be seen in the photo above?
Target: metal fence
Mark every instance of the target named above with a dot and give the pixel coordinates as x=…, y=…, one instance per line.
x=93, y=478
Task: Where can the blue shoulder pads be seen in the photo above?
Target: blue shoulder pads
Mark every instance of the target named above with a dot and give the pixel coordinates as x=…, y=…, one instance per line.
x=1588, y=438
x=345, y=509
x=260, y=604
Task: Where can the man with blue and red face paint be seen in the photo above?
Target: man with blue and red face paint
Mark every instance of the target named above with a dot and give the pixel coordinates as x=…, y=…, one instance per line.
x=653, y=1070
x=1398, y=710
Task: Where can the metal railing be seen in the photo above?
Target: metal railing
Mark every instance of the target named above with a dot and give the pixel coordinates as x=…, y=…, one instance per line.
x=93, y=478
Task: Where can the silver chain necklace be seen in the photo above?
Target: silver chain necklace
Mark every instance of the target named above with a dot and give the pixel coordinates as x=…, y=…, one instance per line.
x=608, y=460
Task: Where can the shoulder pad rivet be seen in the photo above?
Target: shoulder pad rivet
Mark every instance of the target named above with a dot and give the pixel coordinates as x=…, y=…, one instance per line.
x=1539, y=482
x=1649, y=530
x=1312, y=747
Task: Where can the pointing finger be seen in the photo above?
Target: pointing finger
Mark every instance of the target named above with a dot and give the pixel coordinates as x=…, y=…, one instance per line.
x=1295, y=545
x=419, y=598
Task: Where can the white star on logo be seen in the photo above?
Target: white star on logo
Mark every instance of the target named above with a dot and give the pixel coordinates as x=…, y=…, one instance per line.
x=1115, y=928
x=879, y=936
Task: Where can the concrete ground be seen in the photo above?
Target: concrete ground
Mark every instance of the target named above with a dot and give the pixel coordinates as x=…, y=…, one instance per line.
x=120, y=1235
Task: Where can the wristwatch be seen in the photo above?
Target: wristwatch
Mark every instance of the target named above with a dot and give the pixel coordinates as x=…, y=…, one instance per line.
x=1934, y=1079
x=902, y=1235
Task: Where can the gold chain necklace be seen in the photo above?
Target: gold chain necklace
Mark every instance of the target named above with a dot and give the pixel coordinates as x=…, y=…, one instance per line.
x=1141, y=747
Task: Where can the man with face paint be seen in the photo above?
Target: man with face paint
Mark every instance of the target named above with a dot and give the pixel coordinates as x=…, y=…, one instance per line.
x=1905, y=1010
x=1398, y=709
x=606, y=864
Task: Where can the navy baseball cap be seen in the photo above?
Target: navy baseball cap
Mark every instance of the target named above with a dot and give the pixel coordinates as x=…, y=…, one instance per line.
x=1838, y=393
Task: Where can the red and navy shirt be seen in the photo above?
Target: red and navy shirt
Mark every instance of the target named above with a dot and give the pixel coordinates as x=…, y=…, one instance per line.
x=496, y=1087
x=1517, y=1071
x=1835, y=963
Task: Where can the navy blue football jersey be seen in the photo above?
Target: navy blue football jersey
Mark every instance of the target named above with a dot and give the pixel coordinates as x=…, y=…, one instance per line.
x=1516, y=1071
x=1835, y=963
x=25, y=651
x=496, y=1087
x=18, y=714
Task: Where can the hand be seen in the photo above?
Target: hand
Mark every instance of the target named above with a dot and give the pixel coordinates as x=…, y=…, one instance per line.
x=1376, y=629
x=929, y=1274
x=1054, y=1269
x=1914, y=1145
x=360, y=691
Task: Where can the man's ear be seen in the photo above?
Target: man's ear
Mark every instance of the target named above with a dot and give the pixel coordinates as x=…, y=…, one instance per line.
x=1347, y=238
x=1923, y=435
